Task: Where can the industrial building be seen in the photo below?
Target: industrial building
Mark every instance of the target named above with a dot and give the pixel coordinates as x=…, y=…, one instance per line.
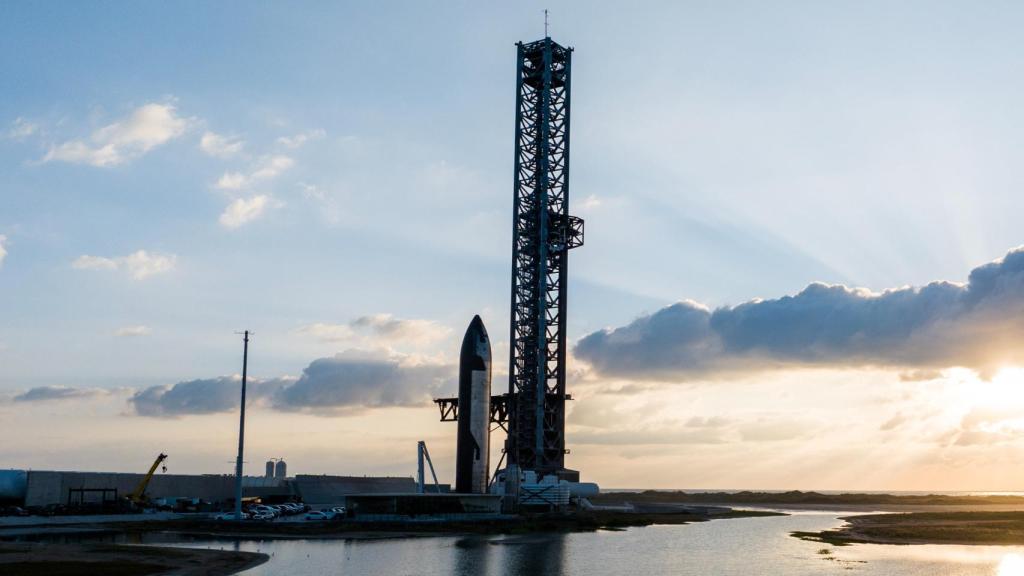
x=42, y=488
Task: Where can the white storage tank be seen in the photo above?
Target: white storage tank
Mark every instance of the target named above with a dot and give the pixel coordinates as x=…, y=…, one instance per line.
x=281, y=470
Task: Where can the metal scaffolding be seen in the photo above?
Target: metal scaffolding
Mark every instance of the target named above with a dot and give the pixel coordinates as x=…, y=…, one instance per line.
x=543, y=233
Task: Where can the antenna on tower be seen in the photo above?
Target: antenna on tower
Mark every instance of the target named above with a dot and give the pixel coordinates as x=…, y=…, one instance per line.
x=545, y=22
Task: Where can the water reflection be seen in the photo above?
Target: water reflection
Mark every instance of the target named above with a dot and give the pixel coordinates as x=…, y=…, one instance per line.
x=535, y=555
x=738, y=547
x=1011, y=565
x=472, y=556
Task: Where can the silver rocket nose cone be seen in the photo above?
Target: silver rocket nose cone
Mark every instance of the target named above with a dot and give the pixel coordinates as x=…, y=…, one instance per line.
x=477, y=324
x=476, y=346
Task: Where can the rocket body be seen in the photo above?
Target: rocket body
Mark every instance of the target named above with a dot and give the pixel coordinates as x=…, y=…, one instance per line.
x=472, y=458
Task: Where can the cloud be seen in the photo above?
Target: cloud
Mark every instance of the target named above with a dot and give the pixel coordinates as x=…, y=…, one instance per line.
x=391, y=328
x=328, y=205
x=220, y=146
x=976, y=325
x=591, y=202
x=231, y=181
x=893, y=423
x=312, y=192
x=923, y=375
x=377, y=329
x=986, y=426
x=356, y=379
x=207, y=396
x=243, y=210
x=347, y=381
x=44, y=393
x=3, y=249
x=268, y=167
x=133, y=331
x=139, y=264
x=145, y=128
x=298, y=140
x=21, y=129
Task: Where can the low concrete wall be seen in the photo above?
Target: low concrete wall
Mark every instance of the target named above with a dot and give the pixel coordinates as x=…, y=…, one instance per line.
x=51, y=487
x=326, y=491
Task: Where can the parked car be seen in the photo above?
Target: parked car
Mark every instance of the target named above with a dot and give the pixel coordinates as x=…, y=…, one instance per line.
x=230, y=516
x=263, y=509
x=339, y=510
x=316, y=517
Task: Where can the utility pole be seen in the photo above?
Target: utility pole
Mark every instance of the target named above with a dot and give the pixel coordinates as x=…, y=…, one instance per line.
x=241, y=433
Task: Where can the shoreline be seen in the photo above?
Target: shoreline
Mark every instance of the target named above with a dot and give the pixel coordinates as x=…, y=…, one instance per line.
x=31, y=559
x=585, y=521
x=979, y=528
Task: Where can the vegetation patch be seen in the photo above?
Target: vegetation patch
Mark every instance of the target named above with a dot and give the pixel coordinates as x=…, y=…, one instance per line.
x=998, y=528
x=73, y=568
x=797, y=497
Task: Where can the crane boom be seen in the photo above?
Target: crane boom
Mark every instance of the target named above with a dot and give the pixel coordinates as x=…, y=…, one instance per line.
x=139, y=494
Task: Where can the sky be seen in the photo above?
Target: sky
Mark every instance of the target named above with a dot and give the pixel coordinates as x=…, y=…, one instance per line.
x=801, y=267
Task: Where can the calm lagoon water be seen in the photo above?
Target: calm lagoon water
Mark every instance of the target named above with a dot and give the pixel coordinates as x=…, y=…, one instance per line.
x=738, y=547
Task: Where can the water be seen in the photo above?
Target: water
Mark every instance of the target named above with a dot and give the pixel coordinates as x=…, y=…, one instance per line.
x=737, y=547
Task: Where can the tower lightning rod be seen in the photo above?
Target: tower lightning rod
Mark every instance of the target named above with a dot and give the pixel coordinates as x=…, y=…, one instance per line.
x=545, y=22
x=241, y=432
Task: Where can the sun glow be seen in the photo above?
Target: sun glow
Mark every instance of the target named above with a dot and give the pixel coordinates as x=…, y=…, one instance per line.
x=1004, y=392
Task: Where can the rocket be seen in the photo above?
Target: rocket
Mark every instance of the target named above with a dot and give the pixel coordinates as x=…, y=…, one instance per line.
x=472, y=458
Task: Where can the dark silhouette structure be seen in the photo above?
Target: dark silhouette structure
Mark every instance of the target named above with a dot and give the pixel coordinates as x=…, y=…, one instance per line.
x=543, y=234
x=533, y=410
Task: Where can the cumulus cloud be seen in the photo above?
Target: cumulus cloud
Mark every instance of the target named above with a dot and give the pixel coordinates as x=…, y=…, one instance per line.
x=3, y=249
x=379, y=329
x=357, y=379
x=139, y=264
x=347, y=381
x=301, y=138
x=220, y=146
x=267, y=168
x=44, y=393
x=243, y=210
x=133, y=331
x=231, y=181
x=976, y=325
x=145, y=128
x=203, y=396
x=21, y=129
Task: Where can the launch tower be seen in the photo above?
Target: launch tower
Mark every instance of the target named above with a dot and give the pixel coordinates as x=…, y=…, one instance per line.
x=543, y=234
x=533, y=410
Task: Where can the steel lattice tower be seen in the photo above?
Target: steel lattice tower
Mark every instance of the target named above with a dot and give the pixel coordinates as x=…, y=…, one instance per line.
x=543, y=233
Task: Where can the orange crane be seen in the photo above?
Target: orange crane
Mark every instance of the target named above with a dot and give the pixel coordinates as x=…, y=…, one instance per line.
x=138, y=496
